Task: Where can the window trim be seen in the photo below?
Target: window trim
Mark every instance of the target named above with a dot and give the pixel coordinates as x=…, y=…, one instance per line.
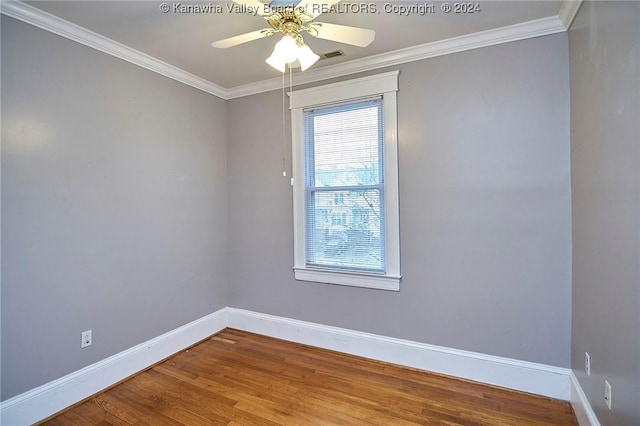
x=385, y=84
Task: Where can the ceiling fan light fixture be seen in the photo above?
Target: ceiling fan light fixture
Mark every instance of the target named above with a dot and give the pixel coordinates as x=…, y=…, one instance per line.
x=285, y=52
x=289, y=51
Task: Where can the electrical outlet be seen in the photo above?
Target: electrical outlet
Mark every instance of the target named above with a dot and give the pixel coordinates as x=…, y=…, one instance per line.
x=607, y=394
x=86, y=339
x=587, y=363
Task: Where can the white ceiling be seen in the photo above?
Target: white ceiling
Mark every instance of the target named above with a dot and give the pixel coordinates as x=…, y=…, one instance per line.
x=184, y=39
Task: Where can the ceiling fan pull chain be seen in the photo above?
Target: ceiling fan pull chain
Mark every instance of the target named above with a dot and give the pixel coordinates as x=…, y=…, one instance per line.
x=284, y=131
x=290, y=78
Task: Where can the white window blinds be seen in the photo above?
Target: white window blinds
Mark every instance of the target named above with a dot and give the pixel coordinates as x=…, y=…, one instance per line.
x=344, y=188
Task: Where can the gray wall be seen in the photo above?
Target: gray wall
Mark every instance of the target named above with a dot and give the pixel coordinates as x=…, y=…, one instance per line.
x=485, y=209
x=115, y=213
x=114, y=207
x=604, y=45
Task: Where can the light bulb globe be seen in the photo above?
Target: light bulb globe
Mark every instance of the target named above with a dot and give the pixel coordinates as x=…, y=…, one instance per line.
x=287, y=49
x=306, y=57
x=276, y=62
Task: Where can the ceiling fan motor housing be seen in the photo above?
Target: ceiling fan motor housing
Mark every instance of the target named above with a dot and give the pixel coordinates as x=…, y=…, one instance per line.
x=290, y=21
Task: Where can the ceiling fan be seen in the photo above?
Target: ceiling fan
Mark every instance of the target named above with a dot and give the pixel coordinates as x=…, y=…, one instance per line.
x=291, y=18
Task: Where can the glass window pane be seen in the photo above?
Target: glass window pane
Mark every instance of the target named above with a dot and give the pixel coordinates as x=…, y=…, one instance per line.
x=344, y=151
x=345, y=234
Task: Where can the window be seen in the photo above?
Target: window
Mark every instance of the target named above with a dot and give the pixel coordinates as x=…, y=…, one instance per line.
x=346, y=222
x=344, y=162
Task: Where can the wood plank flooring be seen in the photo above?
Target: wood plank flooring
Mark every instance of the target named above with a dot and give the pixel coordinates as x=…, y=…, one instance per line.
x=238, y=378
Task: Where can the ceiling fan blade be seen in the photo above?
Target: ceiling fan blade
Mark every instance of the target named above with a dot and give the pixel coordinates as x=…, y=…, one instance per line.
x=252, y=4
x=360, y=37
x=316, y=7
x=243, y=38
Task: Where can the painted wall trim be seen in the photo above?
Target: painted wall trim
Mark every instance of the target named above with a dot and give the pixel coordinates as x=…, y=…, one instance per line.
x=581, y=406
x=48, y=399
x=521, y=31
x=550, y=381
x=46, y=21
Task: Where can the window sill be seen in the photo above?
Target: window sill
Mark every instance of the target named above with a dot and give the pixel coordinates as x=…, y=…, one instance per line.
x=374, y=281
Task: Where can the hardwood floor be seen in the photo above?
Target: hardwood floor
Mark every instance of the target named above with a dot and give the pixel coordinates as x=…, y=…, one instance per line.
x=238, y=378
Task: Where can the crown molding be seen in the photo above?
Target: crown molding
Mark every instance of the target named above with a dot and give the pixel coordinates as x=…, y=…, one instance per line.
x=59, y=26
x=536, y=28
x=568, y=12
x=525, y=30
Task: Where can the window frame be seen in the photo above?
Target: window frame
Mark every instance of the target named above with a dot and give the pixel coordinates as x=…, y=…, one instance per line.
x=385, y=85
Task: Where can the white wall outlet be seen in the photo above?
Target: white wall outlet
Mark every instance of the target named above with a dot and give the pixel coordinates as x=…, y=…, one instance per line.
x=86, y=339
x=587, y=363
x=607, y=394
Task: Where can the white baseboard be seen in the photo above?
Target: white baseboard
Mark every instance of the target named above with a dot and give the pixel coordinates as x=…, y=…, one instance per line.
x=581, y=406
x=48, y=399
x=524, y=376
